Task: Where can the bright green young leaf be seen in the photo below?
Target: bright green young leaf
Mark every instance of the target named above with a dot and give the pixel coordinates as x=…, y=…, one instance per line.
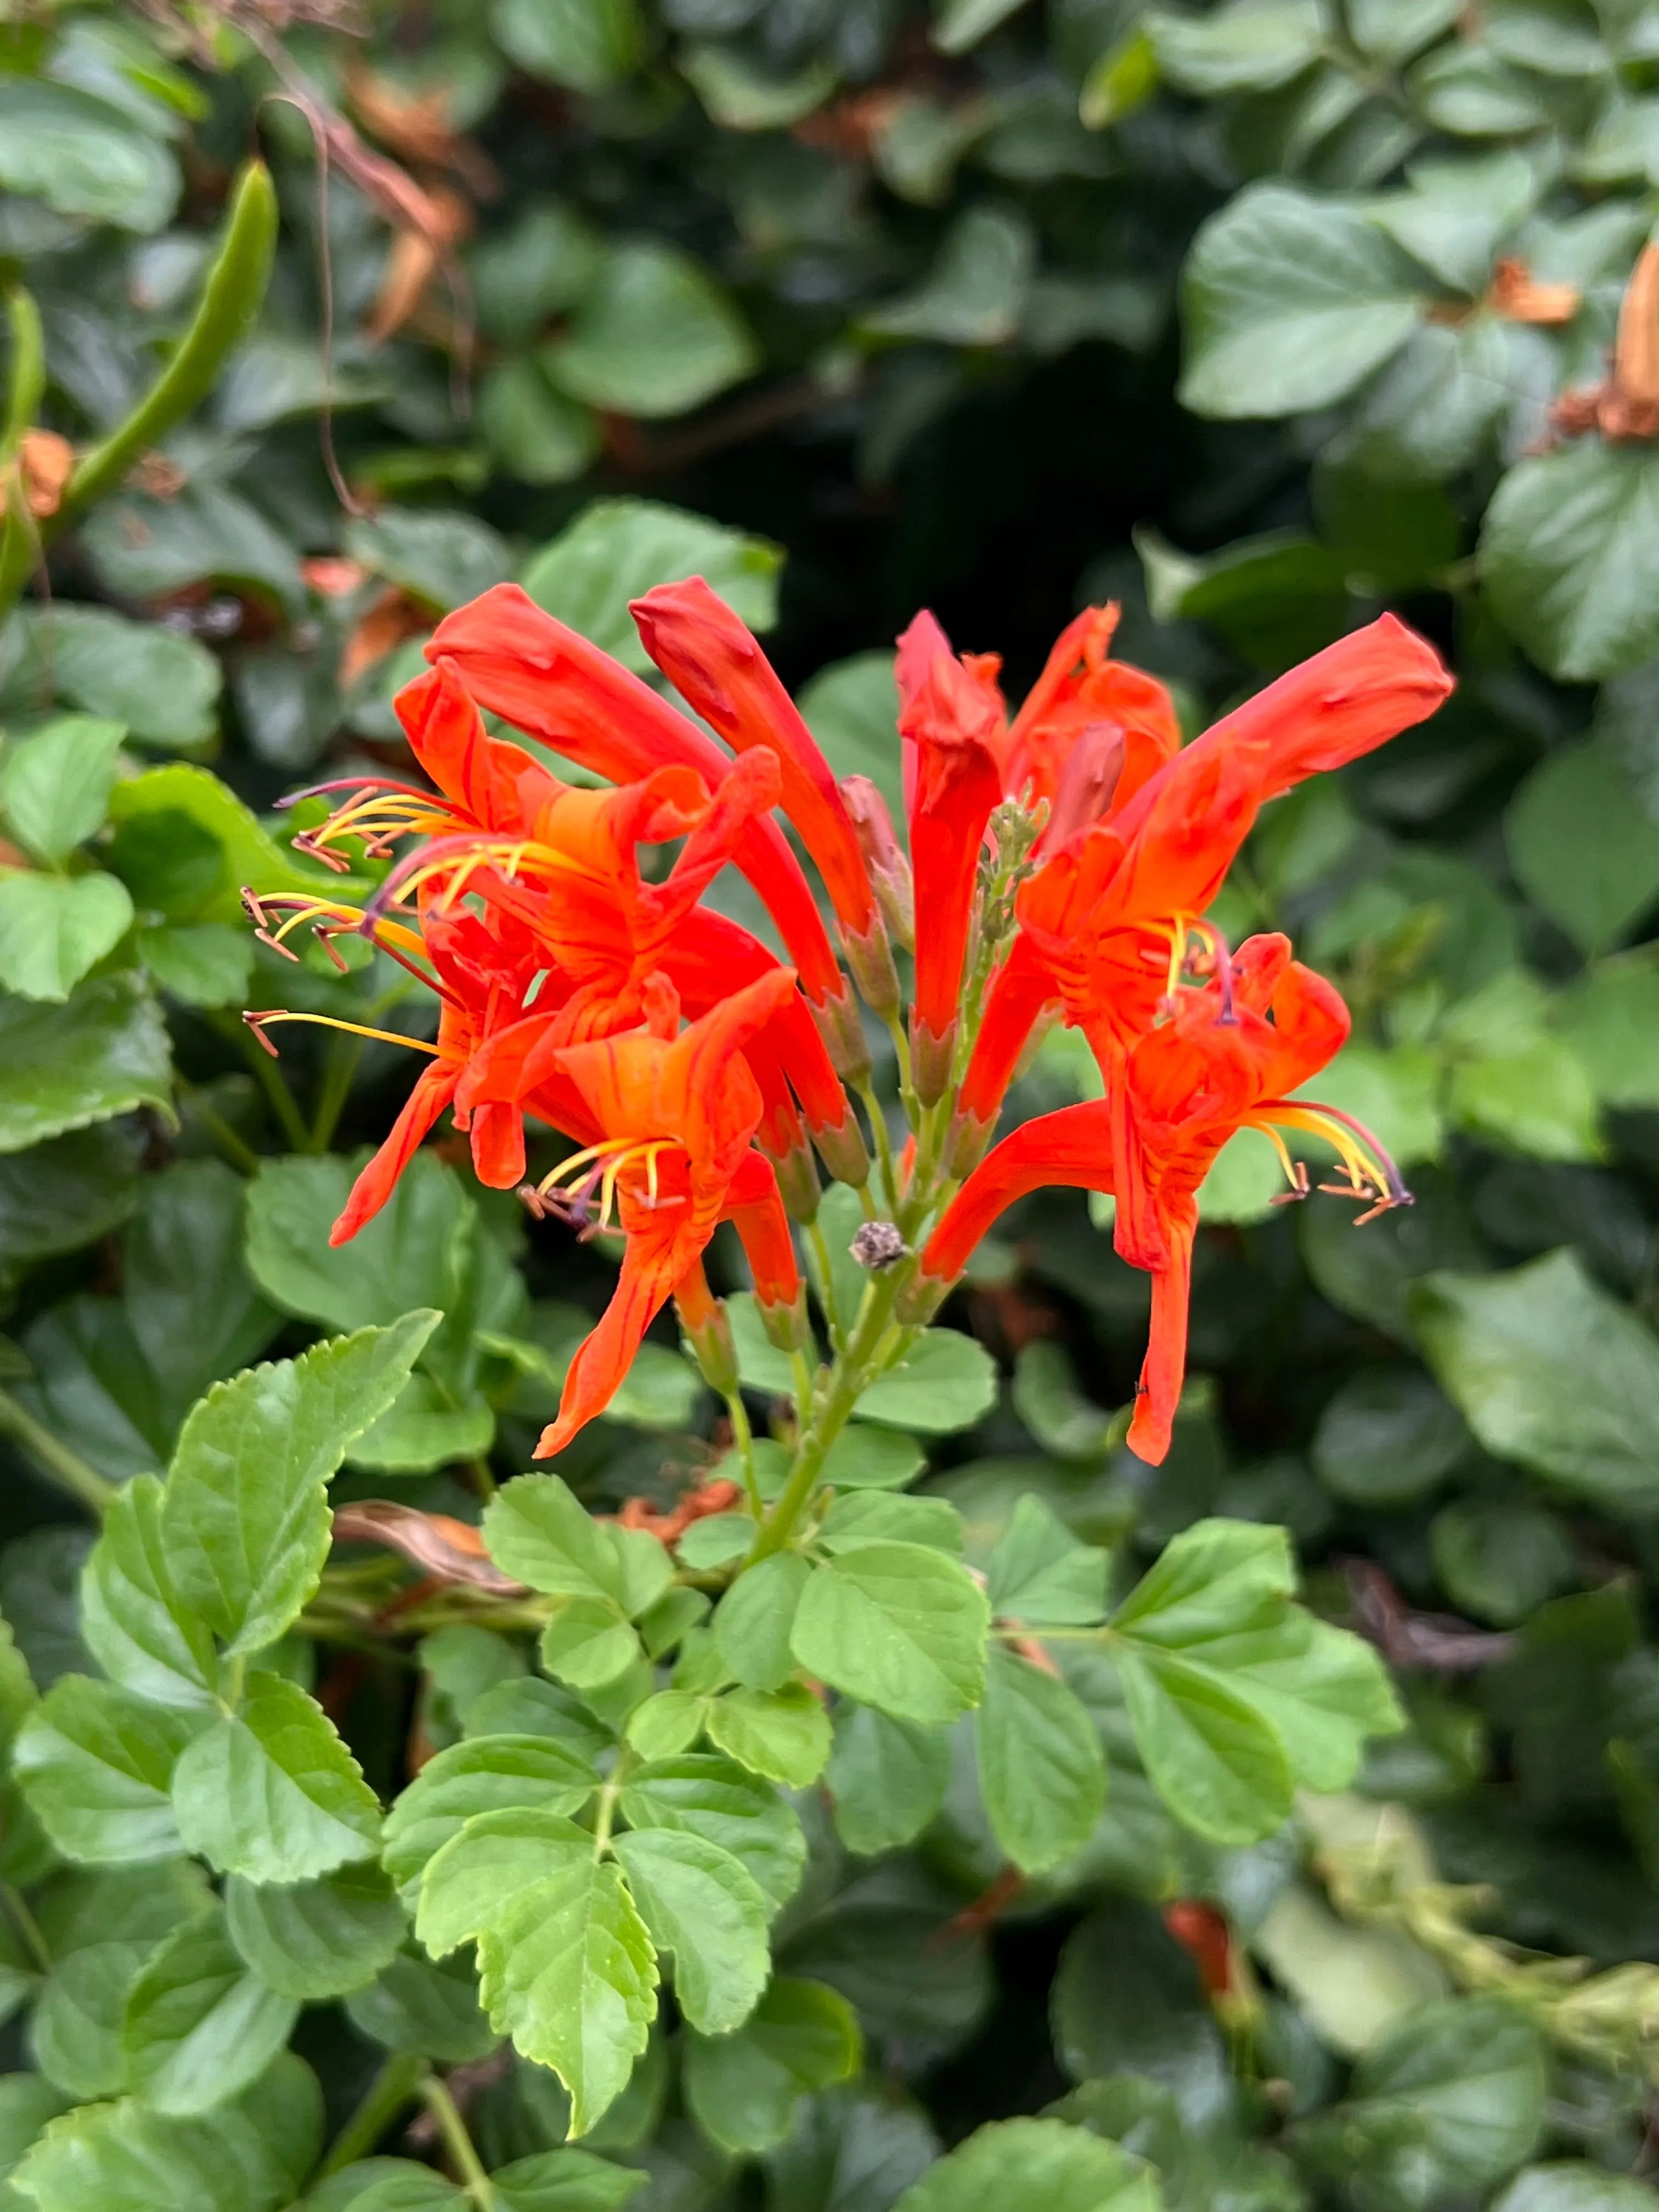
x=55, y=786
x=654, y=335
x=1041, y=1767
x=386, y=2185
x=1570, y=555
x=136, y=1625
x=1289, y=301
x=248, y=853
x=875, y=1516
x=701, y=1904
x=538, y=1533
x=618, y=549
x=245, y=1519
x=199, y=2026
x=1216, y=1765
x=781, y=1734
x=1035, y=2166
x=314, y=1940
x=866, y=1458
x=1551, y=1371
x=945, y=1382
x=53, y=929
x=1208, y=1579
x=271, y=1793
x=587, y=1643
x=753, y=1620
x=486, y=1774
x=61, y=1067
x=568, y=1967
x=699, y=1793
x=1040, y=1575
x=898, y=1627
x=95, y=1764
x=886, y=1777
x=743, y=2089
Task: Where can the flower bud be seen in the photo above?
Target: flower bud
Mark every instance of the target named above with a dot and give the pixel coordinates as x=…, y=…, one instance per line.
x=884, y=857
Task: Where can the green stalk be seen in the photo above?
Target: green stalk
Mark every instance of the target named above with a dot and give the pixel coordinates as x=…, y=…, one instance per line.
x=469, y=2167
x=230, y=299
x=396, y=2084
x=54, y=1458
x=847, y=1378
x=27, y=381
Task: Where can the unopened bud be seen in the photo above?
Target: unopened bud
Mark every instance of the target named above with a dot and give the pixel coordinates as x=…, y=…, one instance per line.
x=930, y=1060
x=844, y=1152
x=712, y=1349
x=888, y=862
x=843, y=1036
x=785, y=1322
x=871, y=959
x=1087, y=782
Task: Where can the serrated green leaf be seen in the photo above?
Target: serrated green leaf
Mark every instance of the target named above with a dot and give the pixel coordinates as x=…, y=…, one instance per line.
x=700, y=1794
x=1039, y=1573
x=743, y=2089
x=1570, y=557
x=886, y=1777
x=944, y=1383
x=137, y=1628
x=75, y=2031
x=1041, y=1767
x=199, y=2026
x=538, y=1533
x=652, y=334
x=701, y=1904
x=485, y=1774
x=272, y=1792
x=319, y=1939
x=105, y=1052
x=898, y=1627
x=1289, y=301
x=96, y=1764
x=781, y=1734
x=55, y=786
x=753, y=1619
x=1216, y=1765
x=245, y=1519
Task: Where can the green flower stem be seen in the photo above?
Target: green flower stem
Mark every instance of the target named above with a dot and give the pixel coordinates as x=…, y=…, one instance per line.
x=270, y=1079
x=28, y=1927
x=604, y=1812
x=54, y=1458
x=469, y=2170
x=339, y=1066
x=826, y=1282
x=743, y=1435
x=240, y=1153
x=855, y=1368
x=877, y=1121
x=398, y=2084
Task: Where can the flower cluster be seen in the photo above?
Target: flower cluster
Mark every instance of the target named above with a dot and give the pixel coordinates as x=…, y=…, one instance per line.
x=1057, y=864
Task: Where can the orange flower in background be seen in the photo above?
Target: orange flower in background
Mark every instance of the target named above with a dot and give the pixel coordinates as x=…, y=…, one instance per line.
x=677, y=1112
x=1224, y=1060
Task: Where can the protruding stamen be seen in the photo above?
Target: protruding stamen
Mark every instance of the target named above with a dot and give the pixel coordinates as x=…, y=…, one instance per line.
x=259, y=1022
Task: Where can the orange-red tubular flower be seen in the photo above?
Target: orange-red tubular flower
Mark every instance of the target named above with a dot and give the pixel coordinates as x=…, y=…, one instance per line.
x=716, y=665
x=1096, y=918
x=950, y=717
x=1226, y=1060
x=678, y=1113
x=549, y=681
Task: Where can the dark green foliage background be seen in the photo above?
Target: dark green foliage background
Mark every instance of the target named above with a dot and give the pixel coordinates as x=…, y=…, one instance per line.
x=1000, y=311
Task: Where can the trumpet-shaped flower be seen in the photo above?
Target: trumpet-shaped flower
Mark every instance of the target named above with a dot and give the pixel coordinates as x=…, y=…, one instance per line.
x=677, y=1111
x=1225, y=1059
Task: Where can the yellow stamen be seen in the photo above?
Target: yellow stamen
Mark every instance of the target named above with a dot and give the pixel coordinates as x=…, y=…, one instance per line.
x=260, y=1022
